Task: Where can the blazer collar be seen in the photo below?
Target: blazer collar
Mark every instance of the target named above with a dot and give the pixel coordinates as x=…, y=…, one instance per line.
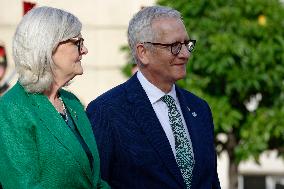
x=81, y=121
x=150, y=126
x=58, y=128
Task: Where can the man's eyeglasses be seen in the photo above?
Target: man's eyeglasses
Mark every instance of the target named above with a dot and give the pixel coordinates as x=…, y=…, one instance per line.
x=79, y=42
x=176, y=46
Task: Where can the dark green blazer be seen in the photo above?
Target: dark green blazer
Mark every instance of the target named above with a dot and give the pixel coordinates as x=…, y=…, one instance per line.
x=38, y=150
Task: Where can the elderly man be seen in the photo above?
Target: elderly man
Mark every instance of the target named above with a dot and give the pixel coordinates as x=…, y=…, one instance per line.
x=151, y=134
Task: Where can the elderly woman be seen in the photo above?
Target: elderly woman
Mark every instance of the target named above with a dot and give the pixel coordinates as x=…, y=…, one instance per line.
x=46, y=139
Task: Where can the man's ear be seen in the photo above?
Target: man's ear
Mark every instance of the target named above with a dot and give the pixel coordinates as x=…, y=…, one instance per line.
x=142, y=53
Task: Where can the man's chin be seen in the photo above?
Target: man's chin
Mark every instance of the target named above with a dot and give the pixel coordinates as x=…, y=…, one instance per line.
x=181, y=76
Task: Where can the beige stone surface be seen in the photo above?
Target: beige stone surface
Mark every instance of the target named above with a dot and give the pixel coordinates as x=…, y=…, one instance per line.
x=95, y=82
x=104, y=47
x=104, y=29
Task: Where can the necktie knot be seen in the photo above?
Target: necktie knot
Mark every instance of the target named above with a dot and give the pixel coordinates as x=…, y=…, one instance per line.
x=169, y=100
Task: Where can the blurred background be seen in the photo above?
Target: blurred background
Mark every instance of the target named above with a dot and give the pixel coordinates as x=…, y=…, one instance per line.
x=237, y=66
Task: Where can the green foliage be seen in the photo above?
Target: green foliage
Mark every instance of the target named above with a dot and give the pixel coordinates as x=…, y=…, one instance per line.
x=239, y=54
x=126, y=70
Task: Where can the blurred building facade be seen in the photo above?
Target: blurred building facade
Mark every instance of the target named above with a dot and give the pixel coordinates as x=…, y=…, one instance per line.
x=104, y=30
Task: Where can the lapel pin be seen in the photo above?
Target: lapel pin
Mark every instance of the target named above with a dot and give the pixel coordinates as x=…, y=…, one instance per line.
x=188, y=109
x=75, y=115
x=194, y=114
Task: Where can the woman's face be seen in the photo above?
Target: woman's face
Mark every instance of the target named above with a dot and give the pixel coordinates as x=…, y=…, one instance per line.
x=67, y=59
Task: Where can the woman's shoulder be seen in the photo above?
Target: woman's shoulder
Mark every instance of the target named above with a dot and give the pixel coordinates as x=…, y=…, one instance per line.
x=15, y=95
x=13, y=105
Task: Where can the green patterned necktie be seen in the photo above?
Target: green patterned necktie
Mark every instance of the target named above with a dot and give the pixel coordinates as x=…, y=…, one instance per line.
x=184, y=151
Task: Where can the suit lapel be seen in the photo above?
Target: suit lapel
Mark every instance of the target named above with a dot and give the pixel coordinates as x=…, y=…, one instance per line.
x=57, y=127
x=151, y=127
x=82, y=124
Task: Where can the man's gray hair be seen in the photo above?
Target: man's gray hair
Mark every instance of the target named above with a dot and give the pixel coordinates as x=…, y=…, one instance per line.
x=140, y=26
x=36, y=38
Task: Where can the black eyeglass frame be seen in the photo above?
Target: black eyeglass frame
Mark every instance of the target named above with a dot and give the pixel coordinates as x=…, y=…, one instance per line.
x=177, y=45
x=79, y=42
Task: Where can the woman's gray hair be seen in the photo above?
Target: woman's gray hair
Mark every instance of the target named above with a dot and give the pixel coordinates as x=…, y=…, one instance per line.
x=140, y=26
x=36, y=38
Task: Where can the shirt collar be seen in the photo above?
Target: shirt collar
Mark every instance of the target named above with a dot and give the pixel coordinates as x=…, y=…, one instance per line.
x=154, y=93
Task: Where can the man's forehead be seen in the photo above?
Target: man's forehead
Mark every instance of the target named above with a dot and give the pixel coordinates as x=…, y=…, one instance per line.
x=170, y=28
x=165, y=24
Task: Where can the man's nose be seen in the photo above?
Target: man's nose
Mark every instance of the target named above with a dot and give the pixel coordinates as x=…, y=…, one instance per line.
x=184, y=52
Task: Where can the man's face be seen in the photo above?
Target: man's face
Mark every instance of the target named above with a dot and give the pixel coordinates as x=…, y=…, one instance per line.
x=163, y=67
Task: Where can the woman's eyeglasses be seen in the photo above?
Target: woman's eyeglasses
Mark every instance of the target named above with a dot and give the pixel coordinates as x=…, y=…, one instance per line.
x=79, y=42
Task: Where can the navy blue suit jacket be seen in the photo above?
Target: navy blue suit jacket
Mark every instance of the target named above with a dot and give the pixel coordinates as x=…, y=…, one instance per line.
x=134, y=150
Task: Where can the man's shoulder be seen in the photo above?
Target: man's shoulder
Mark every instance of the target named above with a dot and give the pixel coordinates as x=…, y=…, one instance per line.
x=191, y=98
x=190, y=95
x=195, y=104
